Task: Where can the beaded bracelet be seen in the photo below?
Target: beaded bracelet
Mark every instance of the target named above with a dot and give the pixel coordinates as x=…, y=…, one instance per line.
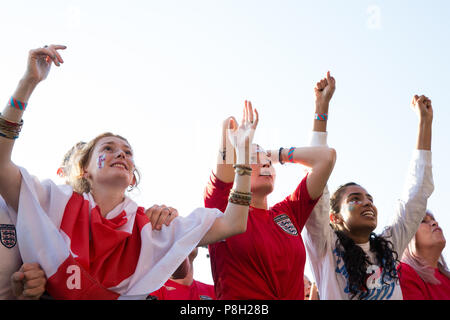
x=10, y=129
x=321, y=116
x=242, y=170
x=241, y=198
x=17, y=104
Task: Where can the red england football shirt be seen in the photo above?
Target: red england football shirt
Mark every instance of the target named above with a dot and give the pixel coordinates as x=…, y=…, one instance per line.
x=414, y=288
x=267, y=261
x=174, y=291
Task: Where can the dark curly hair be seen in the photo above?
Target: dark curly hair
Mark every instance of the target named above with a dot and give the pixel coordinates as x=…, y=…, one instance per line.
x=354, y=257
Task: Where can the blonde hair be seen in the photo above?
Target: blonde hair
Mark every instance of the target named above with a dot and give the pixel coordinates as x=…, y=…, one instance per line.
x=67, y=162
x=80, y=160
x=425, y=271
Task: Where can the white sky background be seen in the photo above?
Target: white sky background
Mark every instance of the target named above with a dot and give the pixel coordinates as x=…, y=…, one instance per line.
x=164, y=74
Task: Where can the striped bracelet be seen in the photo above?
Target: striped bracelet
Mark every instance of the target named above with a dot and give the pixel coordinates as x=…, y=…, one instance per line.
x=17, y=104
x=291, y=154
x=321, y=116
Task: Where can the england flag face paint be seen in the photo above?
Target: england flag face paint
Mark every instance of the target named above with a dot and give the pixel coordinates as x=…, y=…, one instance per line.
x=101, y=161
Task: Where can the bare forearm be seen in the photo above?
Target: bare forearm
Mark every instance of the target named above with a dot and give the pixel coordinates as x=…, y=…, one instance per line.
x=10, y=177
x=321, y=160
x=224, y=167
x=320, y=125
x=234, y=220
x=424, y=135
x=236, y=215
x=225, y=159
x=307, y=156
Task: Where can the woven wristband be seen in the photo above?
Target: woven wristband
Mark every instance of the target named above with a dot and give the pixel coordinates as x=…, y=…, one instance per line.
x=291, y=154
x=17, y=104
x=321, y=116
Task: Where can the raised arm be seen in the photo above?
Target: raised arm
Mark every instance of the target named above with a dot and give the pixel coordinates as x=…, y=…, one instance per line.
x=419, y=183
x=323, y=92
x=319, y=158
x=226, y=155
x=424, y=110
x=318, y=231
x=39, y=63
x=234, y=220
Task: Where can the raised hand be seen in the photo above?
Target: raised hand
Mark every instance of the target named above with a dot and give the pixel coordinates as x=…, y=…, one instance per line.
x=229, y=123
x=422, y=106
x=40, y=61
x=324, y=89
x=241, y=136
x=424, y=110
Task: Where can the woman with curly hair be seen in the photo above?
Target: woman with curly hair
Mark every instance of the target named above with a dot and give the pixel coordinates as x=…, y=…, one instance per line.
x=348, y=260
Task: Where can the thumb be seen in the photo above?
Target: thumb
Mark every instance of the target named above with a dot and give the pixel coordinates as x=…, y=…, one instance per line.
x=17, y=276
x=16, y=283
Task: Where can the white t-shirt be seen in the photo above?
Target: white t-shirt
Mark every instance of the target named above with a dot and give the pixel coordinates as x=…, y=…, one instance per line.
x=10, y=260
x=325, y=258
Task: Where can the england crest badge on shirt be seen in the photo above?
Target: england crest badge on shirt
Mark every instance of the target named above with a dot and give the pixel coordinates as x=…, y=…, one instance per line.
x=8, y=235
x=286, y=224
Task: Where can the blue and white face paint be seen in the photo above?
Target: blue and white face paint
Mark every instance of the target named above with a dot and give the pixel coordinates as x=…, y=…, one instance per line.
x=352, y=204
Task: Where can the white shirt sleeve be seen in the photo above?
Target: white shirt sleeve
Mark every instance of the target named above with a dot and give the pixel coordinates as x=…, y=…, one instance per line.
x=317, y=232
x=411, y=207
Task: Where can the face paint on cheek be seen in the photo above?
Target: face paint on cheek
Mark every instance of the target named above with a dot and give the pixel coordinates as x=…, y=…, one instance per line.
x=352, y=204
x=101, y=161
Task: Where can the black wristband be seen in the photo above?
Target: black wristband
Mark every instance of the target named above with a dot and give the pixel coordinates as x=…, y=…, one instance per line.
x=279, y=155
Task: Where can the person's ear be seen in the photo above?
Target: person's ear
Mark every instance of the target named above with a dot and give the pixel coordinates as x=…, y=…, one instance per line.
x=86, y=174
x=335, y=218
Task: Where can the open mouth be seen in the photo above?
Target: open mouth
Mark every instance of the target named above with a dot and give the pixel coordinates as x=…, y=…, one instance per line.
x=265, y=172
x=369, y=214
x=119, y=165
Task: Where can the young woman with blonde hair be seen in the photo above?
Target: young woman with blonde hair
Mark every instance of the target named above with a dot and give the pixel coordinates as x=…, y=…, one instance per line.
x=93, y=241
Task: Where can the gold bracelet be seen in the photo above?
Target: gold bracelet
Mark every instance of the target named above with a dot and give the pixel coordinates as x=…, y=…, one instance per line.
x=240, y=193
x=239, y=201
x=242, y=198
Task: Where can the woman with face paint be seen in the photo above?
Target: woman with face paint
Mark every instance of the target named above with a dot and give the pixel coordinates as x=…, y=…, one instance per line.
x=90, y=238
x=424, y=274
x=267, y=261
x=348, y=260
